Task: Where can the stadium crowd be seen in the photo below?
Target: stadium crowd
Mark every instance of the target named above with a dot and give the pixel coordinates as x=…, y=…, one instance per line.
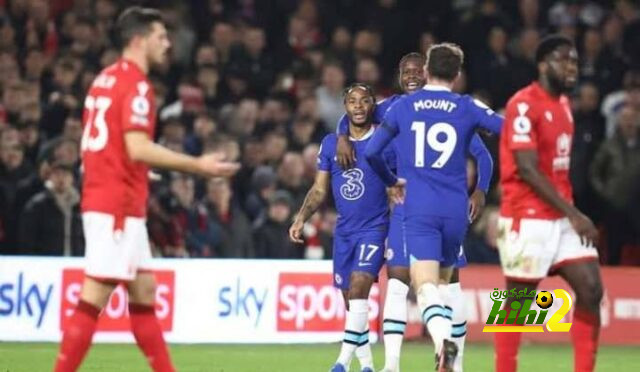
x=262, y=82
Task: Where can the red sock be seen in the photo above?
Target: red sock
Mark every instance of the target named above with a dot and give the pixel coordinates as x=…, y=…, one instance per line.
x=584, y=334
x=506, y=353
x=506, y=349
x=146, y=329
x=77, y=337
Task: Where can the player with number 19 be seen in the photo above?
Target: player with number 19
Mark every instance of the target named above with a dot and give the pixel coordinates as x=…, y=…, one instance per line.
x=434, y=127
x=363, y=221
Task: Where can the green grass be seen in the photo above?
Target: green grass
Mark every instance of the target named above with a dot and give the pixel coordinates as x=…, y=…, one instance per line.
x=18, y=357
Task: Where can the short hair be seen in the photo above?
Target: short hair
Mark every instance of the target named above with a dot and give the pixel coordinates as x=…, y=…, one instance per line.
x=412, y=55
x=444, y=61
x=549, y=44
x=353, y=86
x=135, y=21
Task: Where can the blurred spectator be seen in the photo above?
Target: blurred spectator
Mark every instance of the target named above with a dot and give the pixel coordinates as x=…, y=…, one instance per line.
x=203, y=128
x=252, y=55
x=588, y=135
x=189, y=221
x=208, y=79
x=310, y=158
x=223, y=36
x=271, y=237
x=275, y=114
x=615, y=173
x=263, y=182
x=613, y=103
x=329, y=95
x=235, y=228
x=291, y=178
x=275, y=145
x=50, y=223
x=302, y=131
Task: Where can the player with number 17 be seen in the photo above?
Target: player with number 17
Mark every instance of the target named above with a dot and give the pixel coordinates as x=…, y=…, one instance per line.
x=363, y=221
x=434, y=127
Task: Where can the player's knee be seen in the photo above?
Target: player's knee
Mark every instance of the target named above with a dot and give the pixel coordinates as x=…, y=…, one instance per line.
x=590, y=292
x=400, y=273
x=360, y=285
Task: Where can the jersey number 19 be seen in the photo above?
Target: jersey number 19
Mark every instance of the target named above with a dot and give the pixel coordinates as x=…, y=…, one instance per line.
x=444, y=147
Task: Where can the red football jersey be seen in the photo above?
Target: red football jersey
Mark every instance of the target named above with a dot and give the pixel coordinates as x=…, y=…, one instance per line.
x=534, y=120
x=120, y=99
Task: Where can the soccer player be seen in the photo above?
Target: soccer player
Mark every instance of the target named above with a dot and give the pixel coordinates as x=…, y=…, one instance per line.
x=433, y=127
x=541, y=232
x=117, y=151
x=411, y=78
x=363, y=220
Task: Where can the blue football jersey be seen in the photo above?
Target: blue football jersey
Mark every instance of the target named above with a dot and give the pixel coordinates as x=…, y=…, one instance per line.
x=432, y=128
x=360, y=195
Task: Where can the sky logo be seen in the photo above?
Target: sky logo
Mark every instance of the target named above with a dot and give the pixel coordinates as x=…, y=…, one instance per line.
x=21, y=298
x=242, y=301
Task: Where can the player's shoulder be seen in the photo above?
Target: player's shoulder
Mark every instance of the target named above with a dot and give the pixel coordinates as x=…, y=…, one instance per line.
x=529, y=96
x=329, y=141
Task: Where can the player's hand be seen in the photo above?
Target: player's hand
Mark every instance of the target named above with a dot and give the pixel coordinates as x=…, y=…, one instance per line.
x=345, y=154
x=397, y=191
x=476, y=204
x=295, y=231
x=584, y=227
x=213, y=165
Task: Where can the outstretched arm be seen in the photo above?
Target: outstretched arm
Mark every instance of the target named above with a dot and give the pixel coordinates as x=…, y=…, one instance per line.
x=312, y=202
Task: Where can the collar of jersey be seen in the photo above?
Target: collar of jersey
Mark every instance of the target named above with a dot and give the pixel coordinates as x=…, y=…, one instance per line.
x=436, y=87
x=366, y=135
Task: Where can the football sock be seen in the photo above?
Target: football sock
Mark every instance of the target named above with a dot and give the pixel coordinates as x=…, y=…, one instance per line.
x=356, y=331
x=77, y=337
x=434, y=314
x=584, y=335
x=148, y=335
x=459, y=322
x=506, y=349
x=395, y=322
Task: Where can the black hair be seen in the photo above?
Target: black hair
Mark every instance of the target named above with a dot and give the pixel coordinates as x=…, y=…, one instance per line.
x=412, y=55
x=351, y=87
x=549, y=44
x=135, y=21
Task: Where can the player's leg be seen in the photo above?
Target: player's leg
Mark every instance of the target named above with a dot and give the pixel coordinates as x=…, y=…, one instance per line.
x=507, y=344
x=458, y=316
x=424, y=244
x=366, y=267
x=343, y=256
x=526, y=251
x=395, y=304
x=144, y=323
x=359, y=288
x=106, y=265
x=578, y=265
x=142, y=291
x=77, y=336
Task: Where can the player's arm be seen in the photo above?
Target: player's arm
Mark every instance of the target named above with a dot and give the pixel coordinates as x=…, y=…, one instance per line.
x=485, y=117
x=345, y=154
x=141, y=148
x=527, y=164
x=315, y=197
x=484, y=165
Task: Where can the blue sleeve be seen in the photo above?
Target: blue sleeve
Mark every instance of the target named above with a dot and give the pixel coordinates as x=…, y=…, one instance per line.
x=485, y=117
x=342, y=129
x=390, y=157
x=374, y=150
x=381, y=109
x=484, y=163
x=324, y=155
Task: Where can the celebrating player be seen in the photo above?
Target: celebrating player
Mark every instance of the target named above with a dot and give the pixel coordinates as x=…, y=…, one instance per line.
x=361, y=228
x=411, y=78
x=434, y=128
x=117, y=150
x=541, y=232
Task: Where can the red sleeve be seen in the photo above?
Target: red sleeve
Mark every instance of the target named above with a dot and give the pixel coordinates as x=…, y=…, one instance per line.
x=138, y=111
x=520, y=125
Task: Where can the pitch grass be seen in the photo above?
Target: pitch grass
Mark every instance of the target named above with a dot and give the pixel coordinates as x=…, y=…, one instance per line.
x=30, y=357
